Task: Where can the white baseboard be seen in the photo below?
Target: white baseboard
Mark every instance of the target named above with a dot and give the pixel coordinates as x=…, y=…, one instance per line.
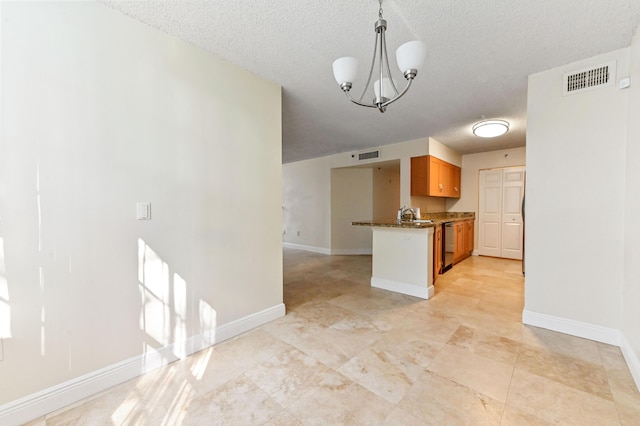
x=313, y=249
x=351, y=252
x=631, y=358
x=585, y=330
x=404, y=288
x=59, y=396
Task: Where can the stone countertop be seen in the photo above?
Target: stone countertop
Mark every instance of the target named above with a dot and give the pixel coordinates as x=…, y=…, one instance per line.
x=437, y=218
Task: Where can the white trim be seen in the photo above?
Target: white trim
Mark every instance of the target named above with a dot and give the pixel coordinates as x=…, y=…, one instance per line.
x=585, y=330
x=313, y=249
x=631, y=358
x=404, y=288
x=59, y=396
x=351, y=252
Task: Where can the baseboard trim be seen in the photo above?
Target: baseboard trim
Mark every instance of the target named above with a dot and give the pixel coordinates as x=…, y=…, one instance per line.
x=313, y=249
x=631, y=358
x=351, y=252
x=56, y=397
x=574, y=328
x=398, y=287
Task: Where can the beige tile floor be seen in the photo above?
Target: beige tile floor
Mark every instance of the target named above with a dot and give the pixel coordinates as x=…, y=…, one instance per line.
x=349, y=354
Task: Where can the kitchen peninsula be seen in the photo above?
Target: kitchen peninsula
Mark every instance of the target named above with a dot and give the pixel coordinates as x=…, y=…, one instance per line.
x=403, y=253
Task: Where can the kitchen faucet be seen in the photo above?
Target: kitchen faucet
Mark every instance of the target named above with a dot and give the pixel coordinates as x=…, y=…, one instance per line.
x=406, y=210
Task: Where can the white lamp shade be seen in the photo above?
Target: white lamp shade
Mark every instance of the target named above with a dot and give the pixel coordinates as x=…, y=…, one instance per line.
x=387, y=88
x=411, y=55
x=345, y=69
x=490, y=128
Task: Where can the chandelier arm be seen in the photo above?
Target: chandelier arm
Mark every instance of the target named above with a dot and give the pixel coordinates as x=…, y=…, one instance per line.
x=358, y=102
x=383, y=49
x=399, y=96
x=373, y=62
x=386, y=57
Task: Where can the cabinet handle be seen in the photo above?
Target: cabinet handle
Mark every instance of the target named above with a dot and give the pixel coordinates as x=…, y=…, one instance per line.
x=440, y=186
x=456, y=188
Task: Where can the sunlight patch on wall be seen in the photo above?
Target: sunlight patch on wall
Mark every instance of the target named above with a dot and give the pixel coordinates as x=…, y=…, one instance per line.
x=153, y=274
x=180, y=312
x=207, y=317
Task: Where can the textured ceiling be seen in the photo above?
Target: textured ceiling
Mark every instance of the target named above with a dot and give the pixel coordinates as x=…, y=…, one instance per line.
x=479, y=56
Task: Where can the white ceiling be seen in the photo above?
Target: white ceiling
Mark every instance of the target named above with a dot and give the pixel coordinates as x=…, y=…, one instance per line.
x=479, y=56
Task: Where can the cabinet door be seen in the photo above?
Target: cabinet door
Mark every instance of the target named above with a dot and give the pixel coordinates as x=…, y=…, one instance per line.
x=437, y=252
x=458, y=250
x=446, y=172
x=455, y=182
x=436, y=186
x=469, y=237
x=420, y=176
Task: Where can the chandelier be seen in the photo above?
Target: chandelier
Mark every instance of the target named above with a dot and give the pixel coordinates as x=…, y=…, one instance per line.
x=410, y=57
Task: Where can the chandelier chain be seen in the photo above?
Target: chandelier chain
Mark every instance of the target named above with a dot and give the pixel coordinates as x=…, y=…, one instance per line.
x=380, y=10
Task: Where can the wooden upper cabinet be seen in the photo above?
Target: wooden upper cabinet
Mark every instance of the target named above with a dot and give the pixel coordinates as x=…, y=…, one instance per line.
x=455, y=181
x=433, y=177
x=420, y=175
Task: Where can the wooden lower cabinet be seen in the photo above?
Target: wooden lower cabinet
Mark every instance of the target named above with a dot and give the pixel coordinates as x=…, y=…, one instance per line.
x=464, y=240
x=437, y=252
x=468, y=247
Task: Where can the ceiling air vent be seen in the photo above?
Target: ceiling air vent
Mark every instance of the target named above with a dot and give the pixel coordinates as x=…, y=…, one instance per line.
x=368, y=155
x=589, y=78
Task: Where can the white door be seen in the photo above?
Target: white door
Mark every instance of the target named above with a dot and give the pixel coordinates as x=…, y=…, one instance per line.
x=490, y=213
x=512, y=193
x=499, y=216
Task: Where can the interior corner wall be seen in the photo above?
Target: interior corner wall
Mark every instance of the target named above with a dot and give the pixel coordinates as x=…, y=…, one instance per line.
x=471, y=166
x=631, y=289
x=306, y=187
x=100, y=112
x=351, y=200
x=443, y=152
x=576, y=160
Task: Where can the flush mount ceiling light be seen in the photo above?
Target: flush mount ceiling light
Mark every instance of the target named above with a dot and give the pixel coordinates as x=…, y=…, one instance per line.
x=490, y=128
x=410, y=57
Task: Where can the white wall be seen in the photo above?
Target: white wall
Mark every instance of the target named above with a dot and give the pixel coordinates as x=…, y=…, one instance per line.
x=471, y=166
x=307, y=195
x=306, y=188
x=576, y=160
x=351, y=199
x=386, y=194
x=100, y=112
x=631, y=286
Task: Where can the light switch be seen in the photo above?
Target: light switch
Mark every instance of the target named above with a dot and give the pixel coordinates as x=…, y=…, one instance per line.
x=144, y=211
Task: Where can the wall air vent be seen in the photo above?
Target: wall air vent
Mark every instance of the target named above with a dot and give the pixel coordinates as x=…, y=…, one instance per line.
x=589, y=78
x=368, y=155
